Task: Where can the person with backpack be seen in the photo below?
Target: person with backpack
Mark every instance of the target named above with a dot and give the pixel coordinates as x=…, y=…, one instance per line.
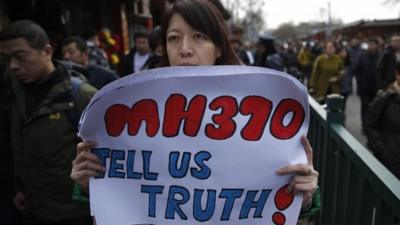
x=74, y=49
x=43, y=100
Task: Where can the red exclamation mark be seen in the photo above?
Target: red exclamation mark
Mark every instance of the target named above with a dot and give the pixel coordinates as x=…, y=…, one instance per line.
x=282, y=201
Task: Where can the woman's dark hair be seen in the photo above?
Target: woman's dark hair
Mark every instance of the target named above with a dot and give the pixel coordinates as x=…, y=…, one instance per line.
x=204, y=17
x=347, y=59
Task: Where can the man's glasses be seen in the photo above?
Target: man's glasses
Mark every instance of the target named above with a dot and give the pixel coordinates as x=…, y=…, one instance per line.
x=19, y=57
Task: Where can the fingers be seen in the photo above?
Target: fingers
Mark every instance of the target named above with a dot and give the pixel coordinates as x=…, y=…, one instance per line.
x=86, y=156
x=305, y=178
x=85, y=146
x=82, y=176
x=85, y=165
x=298, y=168
x=302, y=184
x=308, y=149
x=307, y=188
x=90, y=166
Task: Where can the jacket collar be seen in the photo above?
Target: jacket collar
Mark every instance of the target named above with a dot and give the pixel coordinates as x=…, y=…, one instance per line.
x=59, y=96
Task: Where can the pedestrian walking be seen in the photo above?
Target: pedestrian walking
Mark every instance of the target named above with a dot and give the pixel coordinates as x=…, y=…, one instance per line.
x=383, y=126
x=43, y=137
x=74, y=49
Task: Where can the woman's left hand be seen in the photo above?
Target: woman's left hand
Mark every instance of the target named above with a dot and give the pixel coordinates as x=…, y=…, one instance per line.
x=305, y=178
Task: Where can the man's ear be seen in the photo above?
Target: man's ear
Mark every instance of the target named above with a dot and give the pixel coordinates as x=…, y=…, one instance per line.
x=48, y=51
x=85, y=54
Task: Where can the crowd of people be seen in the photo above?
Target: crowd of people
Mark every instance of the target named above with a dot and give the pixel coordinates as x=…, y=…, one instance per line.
x=42, y=98
x=329, y=67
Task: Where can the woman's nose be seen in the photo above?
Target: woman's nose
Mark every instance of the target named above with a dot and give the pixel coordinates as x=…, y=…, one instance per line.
x=186, y=48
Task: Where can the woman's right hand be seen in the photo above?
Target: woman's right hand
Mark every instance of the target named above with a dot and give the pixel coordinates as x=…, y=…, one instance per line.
x=85, y=165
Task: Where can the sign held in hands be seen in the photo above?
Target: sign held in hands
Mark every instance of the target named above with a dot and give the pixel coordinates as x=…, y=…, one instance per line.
x=194, y=145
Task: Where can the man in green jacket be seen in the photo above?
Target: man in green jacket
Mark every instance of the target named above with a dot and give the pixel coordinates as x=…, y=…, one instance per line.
x=43, y=135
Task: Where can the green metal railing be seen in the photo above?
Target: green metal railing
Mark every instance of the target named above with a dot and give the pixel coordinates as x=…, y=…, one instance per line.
x=355, y=187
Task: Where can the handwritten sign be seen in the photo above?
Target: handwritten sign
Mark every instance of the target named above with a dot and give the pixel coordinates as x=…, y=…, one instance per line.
x=197, y=145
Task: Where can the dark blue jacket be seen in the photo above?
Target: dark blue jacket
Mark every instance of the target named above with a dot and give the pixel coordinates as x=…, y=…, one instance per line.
x=99, y=76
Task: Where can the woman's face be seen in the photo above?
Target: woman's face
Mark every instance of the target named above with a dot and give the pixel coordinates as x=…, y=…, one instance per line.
x=330, y=48
x=188, y=47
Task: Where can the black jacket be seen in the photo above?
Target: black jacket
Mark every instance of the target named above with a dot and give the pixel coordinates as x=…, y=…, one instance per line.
x=6, y=158
x=100, y=76
x=43, y=140
x=366, y=72
x=129, y=60
x=383, y=129
x=386, y=68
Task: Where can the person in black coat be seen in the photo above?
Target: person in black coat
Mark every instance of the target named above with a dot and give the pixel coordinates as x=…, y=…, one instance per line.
x=138, y=57
x=365, y=70
x=7, y=208
x=387, y=63
x=74, y=49
x=267, y=55
x=383, y=126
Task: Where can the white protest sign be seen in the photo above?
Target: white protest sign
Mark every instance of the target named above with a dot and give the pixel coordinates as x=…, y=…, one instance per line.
x=197, y=145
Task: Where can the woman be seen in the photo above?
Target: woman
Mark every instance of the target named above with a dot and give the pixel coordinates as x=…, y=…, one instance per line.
x=195, y=34
x=327, y=73
x=345, y=83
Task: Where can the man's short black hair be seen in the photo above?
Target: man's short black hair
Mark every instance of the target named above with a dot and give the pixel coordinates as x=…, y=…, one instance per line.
x=34, y=34
x=141, y=34
x=80, y=43
x=374, y=40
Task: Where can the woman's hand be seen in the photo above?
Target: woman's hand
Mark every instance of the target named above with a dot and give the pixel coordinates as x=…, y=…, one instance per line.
x=85, y=165
x=305, y=179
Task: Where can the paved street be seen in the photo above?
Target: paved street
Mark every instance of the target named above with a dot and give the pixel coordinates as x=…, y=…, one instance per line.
x=353, y=116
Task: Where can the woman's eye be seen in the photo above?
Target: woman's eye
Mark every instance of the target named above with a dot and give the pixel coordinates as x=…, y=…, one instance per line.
x=200, y=36
x=172, y=38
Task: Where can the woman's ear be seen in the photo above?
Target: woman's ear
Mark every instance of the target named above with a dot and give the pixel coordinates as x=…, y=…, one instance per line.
x=218, y=52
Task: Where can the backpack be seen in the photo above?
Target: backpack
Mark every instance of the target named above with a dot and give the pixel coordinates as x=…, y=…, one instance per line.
x=73, y=114
x=78, y=76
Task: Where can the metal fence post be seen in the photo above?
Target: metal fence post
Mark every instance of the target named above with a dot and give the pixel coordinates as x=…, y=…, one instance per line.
x=334, y=114
x=335, y=109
